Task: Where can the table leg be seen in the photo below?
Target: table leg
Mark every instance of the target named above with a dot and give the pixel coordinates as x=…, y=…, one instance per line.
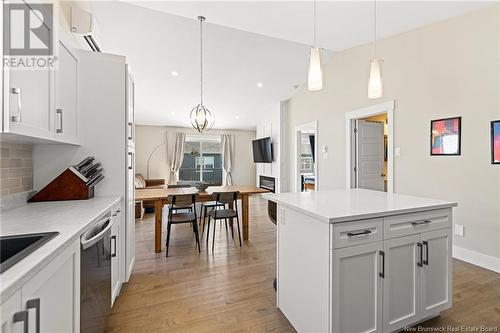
x=158, y=224
x=244, y=208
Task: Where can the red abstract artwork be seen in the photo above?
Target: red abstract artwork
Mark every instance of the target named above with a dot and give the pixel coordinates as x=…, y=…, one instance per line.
x=495, y=142
x=445, y=136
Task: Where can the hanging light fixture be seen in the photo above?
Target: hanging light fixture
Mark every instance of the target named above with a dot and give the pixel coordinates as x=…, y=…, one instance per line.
x=201, y=118
x=315, y=76
x=375, y=81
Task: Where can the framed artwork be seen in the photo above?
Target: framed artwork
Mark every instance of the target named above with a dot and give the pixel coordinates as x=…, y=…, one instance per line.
x=446, y=136
x=495, y=142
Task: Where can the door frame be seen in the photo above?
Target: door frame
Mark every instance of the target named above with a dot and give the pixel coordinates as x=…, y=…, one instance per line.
x=313, y=125
x=387, y=107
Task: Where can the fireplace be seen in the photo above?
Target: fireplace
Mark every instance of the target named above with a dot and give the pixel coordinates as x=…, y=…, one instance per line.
x=269, y=183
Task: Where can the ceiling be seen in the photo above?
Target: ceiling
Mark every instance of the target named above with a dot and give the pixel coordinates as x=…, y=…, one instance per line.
x=245, y=43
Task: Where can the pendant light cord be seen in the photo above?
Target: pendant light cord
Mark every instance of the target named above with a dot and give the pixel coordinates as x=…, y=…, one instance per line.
x=314, y=23
x=375, y=27
x=201, y=18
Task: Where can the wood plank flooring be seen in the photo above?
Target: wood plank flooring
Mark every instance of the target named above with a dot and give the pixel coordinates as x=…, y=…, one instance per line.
x=231, y=289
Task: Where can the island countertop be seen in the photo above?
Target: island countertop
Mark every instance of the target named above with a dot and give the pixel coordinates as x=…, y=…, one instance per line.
x=334, y=206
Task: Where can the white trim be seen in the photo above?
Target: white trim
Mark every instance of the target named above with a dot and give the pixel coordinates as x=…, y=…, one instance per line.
x=313, y=125
x=388, y=108
x=476, y=258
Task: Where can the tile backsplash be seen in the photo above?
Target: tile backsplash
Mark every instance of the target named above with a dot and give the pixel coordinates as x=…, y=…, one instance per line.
x=16, y=167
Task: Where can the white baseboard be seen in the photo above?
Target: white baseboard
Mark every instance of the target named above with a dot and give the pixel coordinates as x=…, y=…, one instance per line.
x=476, y=258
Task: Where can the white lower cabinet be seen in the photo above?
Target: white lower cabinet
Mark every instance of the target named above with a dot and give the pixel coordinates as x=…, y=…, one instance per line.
x=387, y=285
x=49, y=301
x=357, y=301
x=116, y=253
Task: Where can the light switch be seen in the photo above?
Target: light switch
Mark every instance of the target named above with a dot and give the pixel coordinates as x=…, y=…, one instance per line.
x=459, y=230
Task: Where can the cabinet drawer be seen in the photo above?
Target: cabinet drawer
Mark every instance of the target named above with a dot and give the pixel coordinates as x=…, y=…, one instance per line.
x=408, y=224
x=356, y=233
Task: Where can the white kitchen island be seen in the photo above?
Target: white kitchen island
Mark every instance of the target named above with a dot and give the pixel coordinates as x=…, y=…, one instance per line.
x=362, y=261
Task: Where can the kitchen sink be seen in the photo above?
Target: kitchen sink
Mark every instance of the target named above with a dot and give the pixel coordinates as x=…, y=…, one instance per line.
x=16, y=247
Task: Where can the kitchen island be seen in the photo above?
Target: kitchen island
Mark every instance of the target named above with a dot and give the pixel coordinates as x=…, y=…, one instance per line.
x=362, y=261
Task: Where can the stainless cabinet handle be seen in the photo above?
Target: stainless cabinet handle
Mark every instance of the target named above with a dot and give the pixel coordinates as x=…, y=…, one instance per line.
x=420, y=223
x=130, y=167
x=130, y=136
x=17, y=118
x=382, y=273
x=426, y=260
x=419, y=262
x=35, y=304
x=360, y=233
x=113, y=239
x=60, y=113
x=22, y=316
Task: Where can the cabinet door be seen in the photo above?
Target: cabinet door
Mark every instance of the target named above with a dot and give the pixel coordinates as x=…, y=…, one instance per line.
x=28, y=93
x=12, y=315
x=436, y=272
x=115, y=256
x=52, y=297
x=66, y=94
x=130, y=214
x=130, y=109
x=402, y=282
x=357, y=288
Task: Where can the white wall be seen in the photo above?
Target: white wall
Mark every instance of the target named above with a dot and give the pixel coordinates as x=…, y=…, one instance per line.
x=272, y=127
x=447, y=69
x=148, y=137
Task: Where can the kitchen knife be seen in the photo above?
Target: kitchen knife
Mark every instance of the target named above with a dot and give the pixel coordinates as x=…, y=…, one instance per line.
x=84, y=162
x=95, y=181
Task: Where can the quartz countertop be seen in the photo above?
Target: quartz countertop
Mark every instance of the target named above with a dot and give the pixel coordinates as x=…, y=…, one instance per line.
x=353, y=204
x=69, y=218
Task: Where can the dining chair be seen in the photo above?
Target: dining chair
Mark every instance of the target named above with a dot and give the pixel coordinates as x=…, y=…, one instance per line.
x=205, y=208
x=175, y=217
x=224, y=198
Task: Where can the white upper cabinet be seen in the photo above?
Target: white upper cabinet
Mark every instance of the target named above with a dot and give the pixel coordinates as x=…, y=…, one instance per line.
x=66, y=110
x=130, y=109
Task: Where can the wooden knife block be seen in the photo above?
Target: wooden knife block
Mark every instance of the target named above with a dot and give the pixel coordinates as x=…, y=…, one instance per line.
x=69, y=185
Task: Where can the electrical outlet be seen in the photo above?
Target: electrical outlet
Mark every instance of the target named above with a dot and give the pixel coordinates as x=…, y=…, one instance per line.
x=459, y=230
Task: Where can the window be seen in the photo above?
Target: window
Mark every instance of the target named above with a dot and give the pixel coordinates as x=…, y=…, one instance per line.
x=202, y=159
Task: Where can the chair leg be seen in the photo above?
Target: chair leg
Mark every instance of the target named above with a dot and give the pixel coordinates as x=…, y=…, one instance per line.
x=213, y=236
x=195, y=226
x=168, y=237
x=208, y=229
x=238, y=222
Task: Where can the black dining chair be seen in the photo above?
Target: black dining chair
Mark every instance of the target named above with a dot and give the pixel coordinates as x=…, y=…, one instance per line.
x=205, y=208
x=182, y=201
x=224, y=198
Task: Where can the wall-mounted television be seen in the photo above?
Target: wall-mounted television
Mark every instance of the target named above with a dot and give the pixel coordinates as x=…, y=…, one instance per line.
x=262, y=150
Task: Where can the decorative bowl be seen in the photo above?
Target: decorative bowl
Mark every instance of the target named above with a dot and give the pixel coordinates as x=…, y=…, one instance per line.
x=201, y=186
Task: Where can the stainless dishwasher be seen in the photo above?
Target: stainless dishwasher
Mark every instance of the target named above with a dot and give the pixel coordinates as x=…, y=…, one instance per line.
x=95, y=276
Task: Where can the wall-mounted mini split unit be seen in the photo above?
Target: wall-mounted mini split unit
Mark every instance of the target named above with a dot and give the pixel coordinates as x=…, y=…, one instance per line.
x=83, y=25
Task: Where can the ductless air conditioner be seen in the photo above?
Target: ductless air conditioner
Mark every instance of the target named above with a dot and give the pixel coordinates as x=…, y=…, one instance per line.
x=84, y=26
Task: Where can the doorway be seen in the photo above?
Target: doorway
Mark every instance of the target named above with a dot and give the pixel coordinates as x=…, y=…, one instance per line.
x=306, y=166
x=369, y=148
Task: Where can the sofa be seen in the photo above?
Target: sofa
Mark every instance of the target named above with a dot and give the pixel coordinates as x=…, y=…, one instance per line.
x=141, y=182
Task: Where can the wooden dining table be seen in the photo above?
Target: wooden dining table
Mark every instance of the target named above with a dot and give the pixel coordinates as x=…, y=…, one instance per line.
x=161, y=197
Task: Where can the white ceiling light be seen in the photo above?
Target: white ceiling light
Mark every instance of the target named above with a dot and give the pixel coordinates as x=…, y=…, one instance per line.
x=201, y=118
x=375, y=81
x=237, y=117
x=172, y=113
x=260, y=84
x=315, y=76
x=174, y=73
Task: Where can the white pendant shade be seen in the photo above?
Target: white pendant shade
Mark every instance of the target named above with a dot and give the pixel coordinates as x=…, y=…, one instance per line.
x=375, y=82
x=315, y=77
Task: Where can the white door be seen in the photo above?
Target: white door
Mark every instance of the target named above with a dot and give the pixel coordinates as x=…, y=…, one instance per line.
x=436, y=272
x=66, y=94
x=370, y=155
x=357, y=288
x=52, y=296
x=130, y=214
x=11, y=315
x=402, y=282
x=28, y=93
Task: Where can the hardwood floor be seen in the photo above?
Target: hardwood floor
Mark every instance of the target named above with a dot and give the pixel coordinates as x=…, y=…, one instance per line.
x=231, y=289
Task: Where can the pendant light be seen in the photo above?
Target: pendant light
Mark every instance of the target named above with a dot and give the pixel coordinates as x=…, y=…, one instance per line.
x=315, y=76
x=201, y=118
x=375, y=81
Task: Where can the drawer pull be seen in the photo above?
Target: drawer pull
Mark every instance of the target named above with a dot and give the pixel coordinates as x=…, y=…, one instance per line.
x=382, y=254
x=35, y=304
x=22, y=316
x=420, y=223
x=360, y=233
x=426, y=260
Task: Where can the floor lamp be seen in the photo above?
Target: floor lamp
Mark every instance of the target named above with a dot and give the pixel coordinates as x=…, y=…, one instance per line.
x=149, y=158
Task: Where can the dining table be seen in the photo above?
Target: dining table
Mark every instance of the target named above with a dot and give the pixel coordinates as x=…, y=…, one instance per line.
x=161, y=196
